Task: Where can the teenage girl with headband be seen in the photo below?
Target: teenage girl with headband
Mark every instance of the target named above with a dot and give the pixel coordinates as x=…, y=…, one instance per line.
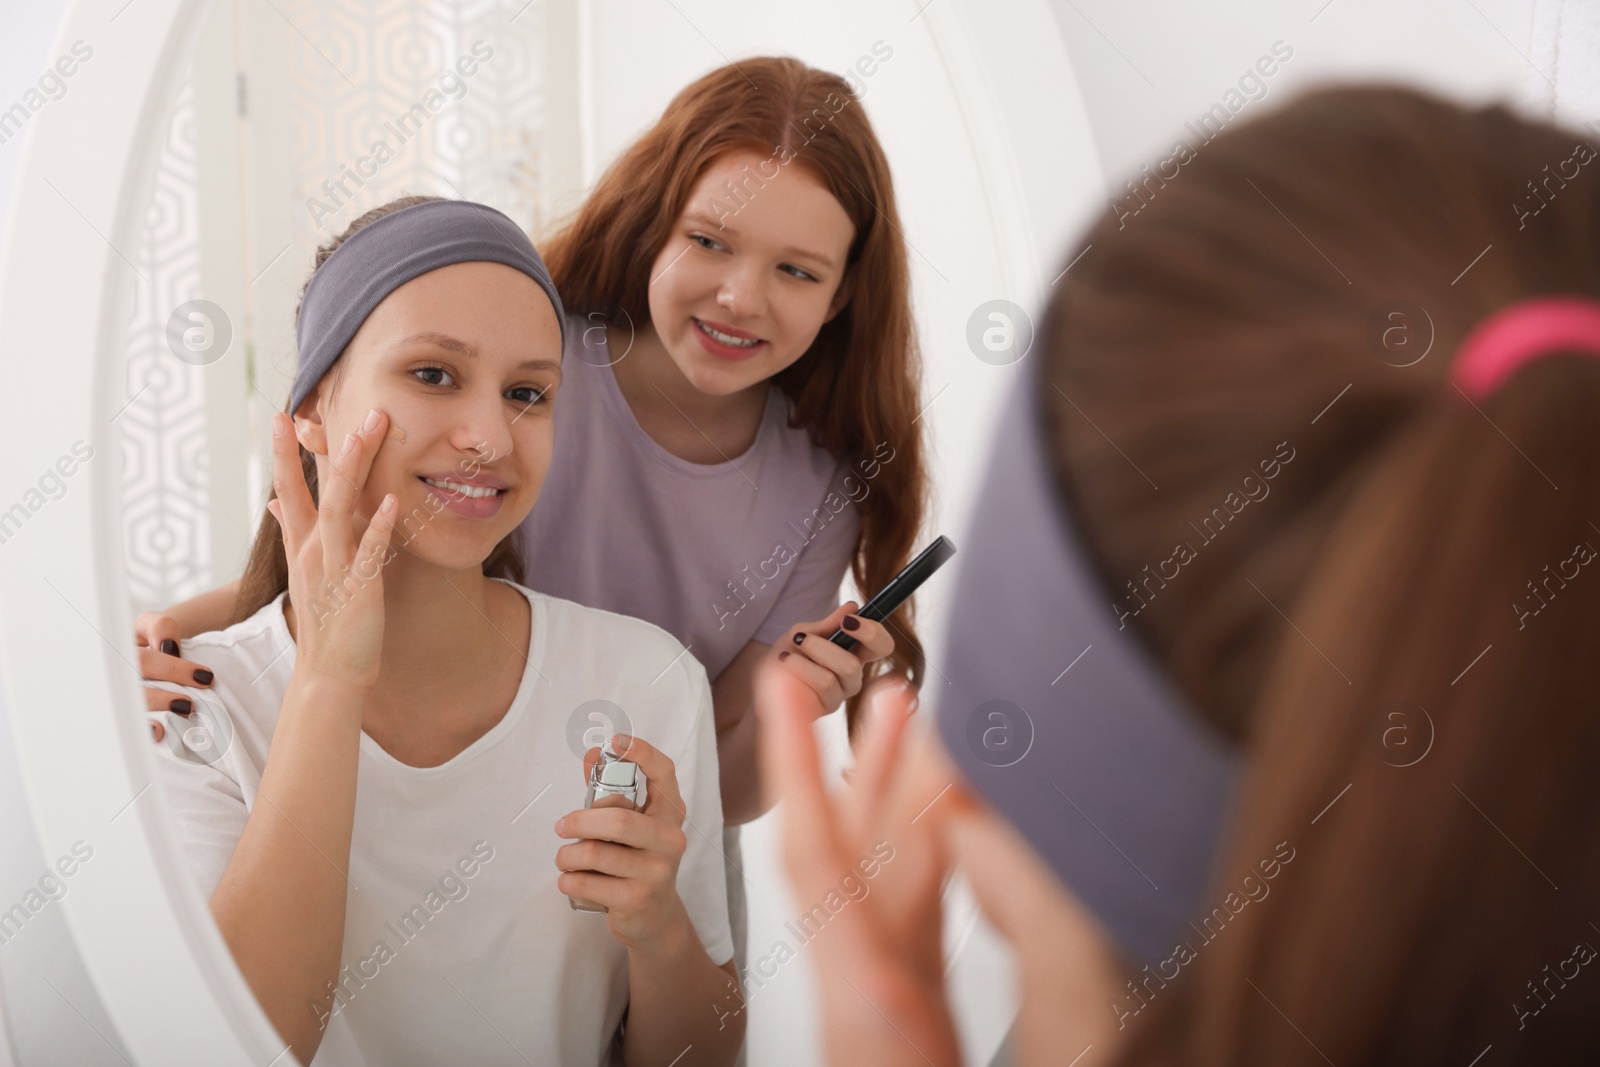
x=1400, y=637
x=366, y=794
x=739, y=424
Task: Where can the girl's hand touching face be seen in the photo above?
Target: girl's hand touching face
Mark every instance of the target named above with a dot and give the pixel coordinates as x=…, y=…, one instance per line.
x=832, y=674
x=628, y=860
x=877, y=848
x=335, y=557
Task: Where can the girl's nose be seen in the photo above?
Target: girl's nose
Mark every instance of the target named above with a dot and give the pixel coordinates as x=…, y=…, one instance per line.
x=485, y=434
x=743, y=295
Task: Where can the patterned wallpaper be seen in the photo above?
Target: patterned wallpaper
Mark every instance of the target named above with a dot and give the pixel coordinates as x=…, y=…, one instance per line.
x=401, y=98
x=163, y=429
x=384, y=98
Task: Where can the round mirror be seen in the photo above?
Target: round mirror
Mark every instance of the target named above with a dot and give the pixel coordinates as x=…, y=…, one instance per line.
x=164, y=217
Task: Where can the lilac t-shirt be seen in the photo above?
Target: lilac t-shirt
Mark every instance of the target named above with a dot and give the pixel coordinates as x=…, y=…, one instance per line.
x=716, y=554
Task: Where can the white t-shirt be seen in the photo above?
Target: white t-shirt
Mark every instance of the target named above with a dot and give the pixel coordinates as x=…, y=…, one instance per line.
x=458, y=946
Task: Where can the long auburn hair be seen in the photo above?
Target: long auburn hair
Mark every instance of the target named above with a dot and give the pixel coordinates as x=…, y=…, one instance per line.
x=266, y=573
x=1396, y=627
x=859, y=384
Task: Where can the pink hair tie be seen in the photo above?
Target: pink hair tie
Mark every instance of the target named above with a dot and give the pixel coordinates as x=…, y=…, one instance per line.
x=1499, y=346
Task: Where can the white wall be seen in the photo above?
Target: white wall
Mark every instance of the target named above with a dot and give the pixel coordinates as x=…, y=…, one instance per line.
x=1147, y=68
x=30, y=27
x=47, y=1001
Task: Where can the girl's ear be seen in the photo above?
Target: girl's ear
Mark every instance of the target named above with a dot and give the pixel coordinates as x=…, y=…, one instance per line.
x=308, y=425
x=841, y=295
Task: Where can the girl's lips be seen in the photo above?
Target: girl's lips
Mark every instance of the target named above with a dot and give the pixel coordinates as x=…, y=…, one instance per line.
x=731, y=331
x=481, y=480
x=732, y=353
x=468, y=507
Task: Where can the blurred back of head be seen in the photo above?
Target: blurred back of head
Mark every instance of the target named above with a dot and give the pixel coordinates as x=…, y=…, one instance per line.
x=1380, y=585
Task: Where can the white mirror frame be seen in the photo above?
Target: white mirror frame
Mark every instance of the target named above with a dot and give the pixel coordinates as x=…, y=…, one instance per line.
x=86, y=171
x=65, y=646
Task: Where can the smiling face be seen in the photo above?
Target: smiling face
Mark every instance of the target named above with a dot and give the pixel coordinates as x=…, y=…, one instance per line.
x=743, y=284
x=465, y=360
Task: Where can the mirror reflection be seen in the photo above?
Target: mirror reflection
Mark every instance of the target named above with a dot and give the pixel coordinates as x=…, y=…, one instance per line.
x=457, y=557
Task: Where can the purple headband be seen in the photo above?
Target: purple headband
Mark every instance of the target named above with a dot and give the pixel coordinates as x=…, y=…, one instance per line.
x=385, y=254
x=1063, y=722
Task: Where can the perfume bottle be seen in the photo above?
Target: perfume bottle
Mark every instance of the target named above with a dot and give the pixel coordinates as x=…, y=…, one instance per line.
x=613, y=783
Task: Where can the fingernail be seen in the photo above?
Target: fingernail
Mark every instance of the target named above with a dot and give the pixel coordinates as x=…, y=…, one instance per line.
x=203, y=676
x=170, y=647
x=277, y=425
x=561, y=825
x=182, y=706
x=349, y=443
x=621, y=741
x=372, y=421
x=782, y=656
x=799, y=638
x=851, y=623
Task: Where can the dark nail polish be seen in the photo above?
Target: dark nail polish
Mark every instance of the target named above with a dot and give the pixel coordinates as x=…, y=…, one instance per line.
x=203, y=676
x=170, y=647
x=851, y=623
x=182, y=706
x=782, y=656
x=799, y=637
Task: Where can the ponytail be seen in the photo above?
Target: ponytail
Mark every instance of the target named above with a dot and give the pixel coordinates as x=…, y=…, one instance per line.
x=1400, y=621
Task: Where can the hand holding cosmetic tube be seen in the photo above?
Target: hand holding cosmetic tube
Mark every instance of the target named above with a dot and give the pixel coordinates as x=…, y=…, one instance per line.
x=624, y=848
x=613, y=783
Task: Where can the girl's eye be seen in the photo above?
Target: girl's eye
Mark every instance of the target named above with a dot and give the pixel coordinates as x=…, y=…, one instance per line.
x=540, y=395
x=796, y=272
x=704, y=242
x=431, y=370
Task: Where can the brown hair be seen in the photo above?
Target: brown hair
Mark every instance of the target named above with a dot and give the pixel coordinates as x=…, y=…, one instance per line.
x=266, y=573
x=1409, y=577
x=858, y=386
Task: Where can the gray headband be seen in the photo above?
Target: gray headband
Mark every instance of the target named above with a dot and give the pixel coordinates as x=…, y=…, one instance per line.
x=1094, y=756
x=383, y=255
